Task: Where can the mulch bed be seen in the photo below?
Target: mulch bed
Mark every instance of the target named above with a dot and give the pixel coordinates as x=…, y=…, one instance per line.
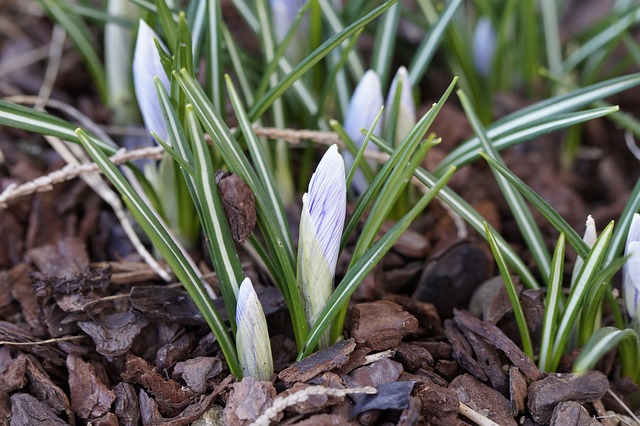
x=91, y=334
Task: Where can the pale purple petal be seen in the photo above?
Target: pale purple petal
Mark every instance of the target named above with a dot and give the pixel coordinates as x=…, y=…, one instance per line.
x=364, y=105
x=252, y=336
x=631, y=268
x=327, y=201
x=484, y=45
x=146, y=66
x=406, y=109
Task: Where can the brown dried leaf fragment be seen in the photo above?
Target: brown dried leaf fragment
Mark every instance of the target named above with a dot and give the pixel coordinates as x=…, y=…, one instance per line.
x=114, y=334
x=90, y=398
x=239, y=205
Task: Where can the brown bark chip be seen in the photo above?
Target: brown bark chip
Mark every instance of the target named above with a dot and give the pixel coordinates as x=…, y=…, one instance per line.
x=172, y=398
x=126, y=405
x=90, y=397
x=572, y=413
x=439, y=404
x=382, y=324
x=45, y=390
x=325, y=360
x=198, y=371
x=494, y=336
x=545, y=394
x=483, y=399
x=249, y=399
x=28, y=411
x=517, y=391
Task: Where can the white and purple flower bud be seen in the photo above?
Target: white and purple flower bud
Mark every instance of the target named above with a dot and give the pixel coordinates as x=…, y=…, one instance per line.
x=631, y=269
x=146, y=66
x=364, y=106
x=252, y=336
x=590, y=236
x=321, y=226
x=406, y=118
x=484, y=46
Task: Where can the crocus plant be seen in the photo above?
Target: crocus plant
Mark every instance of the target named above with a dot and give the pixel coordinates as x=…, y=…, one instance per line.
x=321, y=226
x=631, y=269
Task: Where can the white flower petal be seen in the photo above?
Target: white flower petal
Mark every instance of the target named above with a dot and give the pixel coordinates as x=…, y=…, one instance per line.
x=364, y=105
x=315, y=277
x=631, y=268
x=146, y=66
x=590, y=237
x=327, y=201
x=252, y=336
x=406, y=109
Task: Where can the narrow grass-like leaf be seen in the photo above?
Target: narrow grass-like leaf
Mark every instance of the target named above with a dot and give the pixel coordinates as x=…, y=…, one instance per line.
x=552, y=34
x=521, y=320
x=532, y=130
x=216, y=224
x=543, y=207
x=540, y=112
x=521, y=213
x=600, y=40
x=261, y=106
x=43, y=123
x=215, y=65
x=591, y=315
x=165, y=17
x=552, y=306
x=333, y=20
x=623, y=223
x=473, y=219
x=603, y=341
x=79, y=33
x=354, y=150
x=384, y=45
x=264, y=175
x=365, y=264
x=273, y=225
x=429, y=45
x=168, y=248
x=578, y=293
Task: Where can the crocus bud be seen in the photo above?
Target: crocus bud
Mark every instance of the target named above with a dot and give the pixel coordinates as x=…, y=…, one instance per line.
x=590, y=237
x=364, y=105
x=321, y=225
x=406, y=118
x=631, y=268
x=252, y=335
x=283, y=15
x=484, y=45
x=146, y=66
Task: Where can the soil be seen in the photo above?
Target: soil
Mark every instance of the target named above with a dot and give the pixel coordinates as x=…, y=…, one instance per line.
x=90, y=333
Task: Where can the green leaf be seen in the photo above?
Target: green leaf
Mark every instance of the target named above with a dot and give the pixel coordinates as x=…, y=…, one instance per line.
x=603, y=341
x=521, y=320
x=168, y=248
x=578, y=293
x=79, y=33
x=552, y=306
x=538, y=113
x=521, y=213
x=261, y=106
x=543, y=207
